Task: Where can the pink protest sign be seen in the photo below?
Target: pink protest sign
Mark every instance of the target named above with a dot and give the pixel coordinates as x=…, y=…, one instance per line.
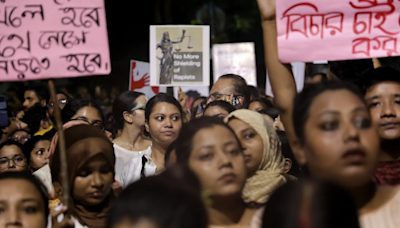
x=315, y=30
x=41, y=39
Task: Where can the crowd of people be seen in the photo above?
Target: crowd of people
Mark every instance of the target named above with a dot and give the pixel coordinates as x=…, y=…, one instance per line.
x=328, y=156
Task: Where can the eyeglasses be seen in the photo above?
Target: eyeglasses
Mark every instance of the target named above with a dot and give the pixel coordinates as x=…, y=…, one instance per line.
x=61, y=102
x=219, y=96
x=19, y=160
x=140, y=107
x=23, y=139
x=97, y=124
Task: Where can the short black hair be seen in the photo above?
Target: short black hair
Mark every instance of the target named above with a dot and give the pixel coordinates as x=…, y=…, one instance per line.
x=350, y=70
x=41, y=91
x=30, y=144
x=170, y=200
x=328, y=206
x=189, y=130
x=34, y=116
x=253, y=92
x=264, y=102
x=36, y=183
x=73, y=106
x=124, y=103
x=12, y=143
x=222, y=104
x=379, y=75
x=304, y=100
x=240, y=87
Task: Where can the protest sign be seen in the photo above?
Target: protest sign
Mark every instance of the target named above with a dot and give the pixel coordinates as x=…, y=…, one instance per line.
x=237, y=59
x=193, y=92
x=139, y=79
x=43, y=39
x=317, y=30
x=299, y=71
x=179, y=55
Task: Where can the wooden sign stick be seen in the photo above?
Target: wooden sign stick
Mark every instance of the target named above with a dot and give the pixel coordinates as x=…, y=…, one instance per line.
x=61, y=144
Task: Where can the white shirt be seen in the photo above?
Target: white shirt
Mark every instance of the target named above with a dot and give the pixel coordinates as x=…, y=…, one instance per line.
x=133, y=168
x=122, y=157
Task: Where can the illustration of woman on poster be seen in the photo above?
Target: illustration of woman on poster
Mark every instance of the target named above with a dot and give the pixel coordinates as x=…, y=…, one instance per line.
x=166, y=62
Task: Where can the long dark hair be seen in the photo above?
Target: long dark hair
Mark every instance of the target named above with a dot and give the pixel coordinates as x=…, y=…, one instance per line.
x=124, y=103
x=308, y=203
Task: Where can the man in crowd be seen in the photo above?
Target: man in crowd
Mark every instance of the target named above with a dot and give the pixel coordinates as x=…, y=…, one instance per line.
x=231, y=88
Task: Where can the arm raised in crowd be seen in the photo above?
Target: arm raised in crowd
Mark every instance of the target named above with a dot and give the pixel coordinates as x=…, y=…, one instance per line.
x=280, y=75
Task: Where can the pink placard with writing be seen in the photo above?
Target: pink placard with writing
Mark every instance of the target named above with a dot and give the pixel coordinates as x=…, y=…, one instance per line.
x=313, y=30
x=41, y=39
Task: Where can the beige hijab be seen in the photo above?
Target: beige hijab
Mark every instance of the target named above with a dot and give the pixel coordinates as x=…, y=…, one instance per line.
x=270, y=174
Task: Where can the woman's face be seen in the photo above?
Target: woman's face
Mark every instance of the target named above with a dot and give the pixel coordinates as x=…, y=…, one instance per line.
x=93, y=181
x=90, y=115
x=12, y=159
x=164, y=123
x=256, y=106
x=252, y=144
x=21, y=205
x=138, y=118
x=217, y=160
x=216, y=111
x=20, y=136
x=340, y=144
x=40, y=155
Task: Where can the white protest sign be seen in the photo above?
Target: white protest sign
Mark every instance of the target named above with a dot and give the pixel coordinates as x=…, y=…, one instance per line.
x=299, y=70
x=179, y=55
x=235, y=58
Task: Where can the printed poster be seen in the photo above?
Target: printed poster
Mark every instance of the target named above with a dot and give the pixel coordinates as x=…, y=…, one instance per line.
x=235, y=58
x=42, y=39
x=139, y=79
x=180, y=55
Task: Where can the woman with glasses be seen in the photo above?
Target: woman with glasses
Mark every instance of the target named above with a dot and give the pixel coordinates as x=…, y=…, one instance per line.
x=21, y=136
x=163, y=121
x=12, y=158
x=128, y=111
x=62, y=100
x=85, y=110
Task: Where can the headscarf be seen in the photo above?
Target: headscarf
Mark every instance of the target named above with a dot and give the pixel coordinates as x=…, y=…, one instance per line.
x=270, y=173
x=75, y=160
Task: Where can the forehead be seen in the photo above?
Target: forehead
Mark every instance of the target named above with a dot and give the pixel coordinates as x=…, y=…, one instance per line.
x=164, y=108
x=341, y=100
x=87, y=111
x=255, y=104
x=29, y=93
x=20, y=133
x=238, y=125
x=223, y=86
x=43, y=143
x=9, y=151
x=60, y=96
x=17, y=188
x=216, y=110
x=141, y=99
x=387, y=88
x=216, y=136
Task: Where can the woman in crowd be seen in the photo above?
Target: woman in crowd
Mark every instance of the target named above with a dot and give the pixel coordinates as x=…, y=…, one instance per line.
x=129, y=111
x=310, y=204
x=262, y=153
x=90, y=162
x=37, y=152
x=329, y=128
x=213, y=152
x=171, y=199
x=163, y=122
x=24, y=201
x=12, y=158
x=265, y=107
x=219, y=109
x=85, y=110
x=21, y=136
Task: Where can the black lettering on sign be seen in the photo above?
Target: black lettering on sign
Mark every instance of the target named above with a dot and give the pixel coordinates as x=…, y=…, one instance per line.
x=84, y=63
x=24, y=65
x=68, y=39
x=9, y=44
x=60, y=2
x=81, y=16
x=12, y=15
